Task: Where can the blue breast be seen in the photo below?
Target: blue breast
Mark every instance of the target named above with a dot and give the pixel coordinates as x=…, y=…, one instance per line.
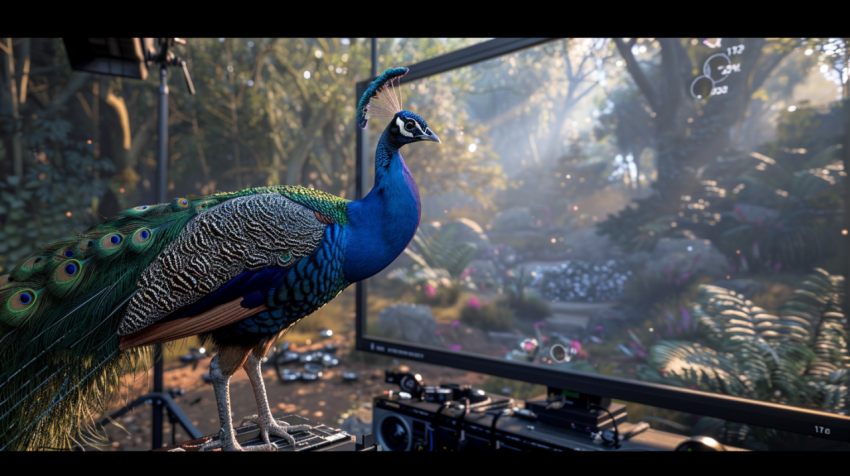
x=383, y=223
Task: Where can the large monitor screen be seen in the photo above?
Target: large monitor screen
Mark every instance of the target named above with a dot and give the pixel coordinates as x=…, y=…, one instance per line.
x=667, y=211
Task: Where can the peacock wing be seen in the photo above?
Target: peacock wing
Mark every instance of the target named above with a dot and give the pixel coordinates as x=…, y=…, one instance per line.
x=244, y=234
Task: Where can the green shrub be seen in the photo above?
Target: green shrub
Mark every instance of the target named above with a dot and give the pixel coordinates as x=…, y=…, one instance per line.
x=529, y=306
x=494, y=316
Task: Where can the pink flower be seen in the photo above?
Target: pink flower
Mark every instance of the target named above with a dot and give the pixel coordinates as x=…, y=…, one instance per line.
x=455, y=347
x=430, y=291
x=464, y=274
x=576, y=345
x=473, y=303
x=455, y=324
x=437, y=332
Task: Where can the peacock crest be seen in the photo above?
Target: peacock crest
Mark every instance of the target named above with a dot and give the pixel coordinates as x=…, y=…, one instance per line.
x=381, y=98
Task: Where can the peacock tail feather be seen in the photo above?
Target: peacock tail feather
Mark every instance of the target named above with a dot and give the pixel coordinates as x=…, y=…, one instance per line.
x=61, y=310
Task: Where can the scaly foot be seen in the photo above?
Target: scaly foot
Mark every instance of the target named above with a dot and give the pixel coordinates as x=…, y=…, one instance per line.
x=269, y=426
x=225, y=442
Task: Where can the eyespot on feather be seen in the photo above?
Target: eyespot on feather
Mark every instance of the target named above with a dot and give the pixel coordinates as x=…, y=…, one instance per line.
x=85, y=244
x=111, y=241
x=204, y=205
x=21, y=300
x=182, y=202
x=141, y=208
x=36, y=262
x=64, y=254
x=68, y=271
x=142, y=236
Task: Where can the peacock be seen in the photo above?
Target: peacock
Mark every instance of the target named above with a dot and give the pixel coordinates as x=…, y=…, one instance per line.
x=237, y=268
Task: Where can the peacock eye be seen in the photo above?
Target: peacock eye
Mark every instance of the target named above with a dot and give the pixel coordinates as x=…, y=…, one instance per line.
x=69, y=253
x=22, y=300
x=409, y=125
x=111, y=242
x=141, y=236
x=183, y=202
x=141, y=208
x=70, y=269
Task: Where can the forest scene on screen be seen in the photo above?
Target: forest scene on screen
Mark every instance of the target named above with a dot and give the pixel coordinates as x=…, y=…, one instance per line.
x=665, y=210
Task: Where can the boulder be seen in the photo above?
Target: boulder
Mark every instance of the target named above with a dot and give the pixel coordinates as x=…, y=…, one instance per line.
x=512, y=219
x=412, y=323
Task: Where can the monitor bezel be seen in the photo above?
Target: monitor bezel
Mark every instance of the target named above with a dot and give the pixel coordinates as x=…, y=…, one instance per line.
x=787, y=418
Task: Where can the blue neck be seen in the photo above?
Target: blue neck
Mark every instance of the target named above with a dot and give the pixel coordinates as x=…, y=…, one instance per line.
x=382, y=224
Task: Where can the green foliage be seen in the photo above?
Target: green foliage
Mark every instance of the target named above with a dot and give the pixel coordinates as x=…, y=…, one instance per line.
x=493, y=316
x=441, y=250
x=797, y=357
x=439, y=261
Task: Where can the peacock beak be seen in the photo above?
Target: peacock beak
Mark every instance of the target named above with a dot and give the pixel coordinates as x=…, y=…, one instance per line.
x=431, y=136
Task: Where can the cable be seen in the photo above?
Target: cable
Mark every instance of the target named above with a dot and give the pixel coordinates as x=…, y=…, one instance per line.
x=493, y=428
x=613, y=420
x=461, y=434
x=433, y=426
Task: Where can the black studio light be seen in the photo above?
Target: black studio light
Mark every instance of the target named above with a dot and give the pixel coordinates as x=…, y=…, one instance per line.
x=131, y=58
x=112, y=56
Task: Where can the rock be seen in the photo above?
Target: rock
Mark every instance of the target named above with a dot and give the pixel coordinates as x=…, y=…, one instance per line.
x=684, y=255
x=410, y=322
x=565, y=323
x=517, y=218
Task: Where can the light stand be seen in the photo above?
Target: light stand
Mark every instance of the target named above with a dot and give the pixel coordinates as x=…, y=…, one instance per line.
x=131, y=57
x=158, y=399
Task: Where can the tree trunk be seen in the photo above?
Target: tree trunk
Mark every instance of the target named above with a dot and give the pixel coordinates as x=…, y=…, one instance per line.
x=17, y=152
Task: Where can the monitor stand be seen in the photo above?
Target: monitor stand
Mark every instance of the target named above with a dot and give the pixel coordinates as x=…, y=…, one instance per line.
x=577, y=411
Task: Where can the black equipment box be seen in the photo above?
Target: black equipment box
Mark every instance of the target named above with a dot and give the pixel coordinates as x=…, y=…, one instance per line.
x=407, y=424
x=319, y=438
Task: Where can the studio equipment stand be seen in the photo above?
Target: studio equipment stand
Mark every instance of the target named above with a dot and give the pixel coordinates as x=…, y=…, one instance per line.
x=158, y=399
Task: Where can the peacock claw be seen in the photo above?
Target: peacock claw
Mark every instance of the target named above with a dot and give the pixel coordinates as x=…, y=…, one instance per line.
x=275, y=427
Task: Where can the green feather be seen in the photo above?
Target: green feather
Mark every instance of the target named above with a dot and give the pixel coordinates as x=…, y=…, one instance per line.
x=59, y=316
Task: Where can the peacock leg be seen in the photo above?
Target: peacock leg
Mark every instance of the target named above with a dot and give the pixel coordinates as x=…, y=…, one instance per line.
x=264, y=419
x=222, y=367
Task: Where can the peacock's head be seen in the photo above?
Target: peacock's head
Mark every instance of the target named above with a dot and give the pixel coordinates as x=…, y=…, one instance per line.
x=407, y=127
x=380, y=100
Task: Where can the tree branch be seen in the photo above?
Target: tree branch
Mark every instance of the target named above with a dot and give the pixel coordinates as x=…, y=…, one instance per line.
x=637, y=74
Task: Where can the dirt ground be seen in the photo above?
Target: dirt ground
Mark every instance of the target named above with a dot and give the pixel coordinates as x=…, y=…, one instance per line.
x=328, y=400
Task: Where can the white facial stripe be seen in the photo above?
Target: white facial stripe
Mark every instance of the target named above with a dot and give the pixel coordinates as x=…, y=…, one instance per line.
x=400, y=124
x=419, y=127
